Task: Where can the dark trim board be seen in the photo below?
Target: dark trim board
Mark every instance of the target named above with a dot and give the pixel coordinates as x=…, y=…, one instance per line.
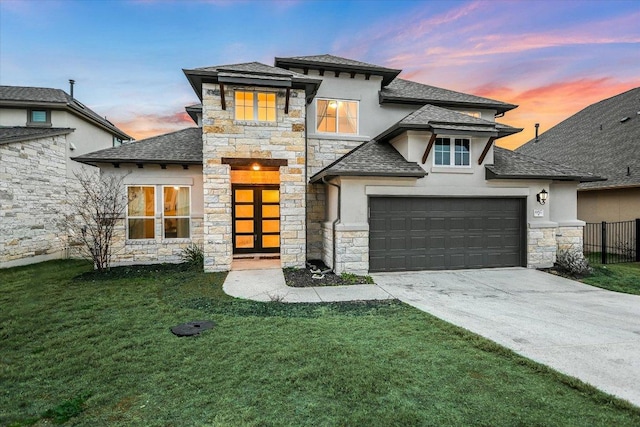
x=446, y=233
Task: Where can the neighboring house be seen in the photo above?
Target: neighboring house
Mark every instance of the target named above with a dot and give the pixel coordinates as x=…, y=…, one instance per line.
x=322, y=157
x=40, y=129
x=604, y=139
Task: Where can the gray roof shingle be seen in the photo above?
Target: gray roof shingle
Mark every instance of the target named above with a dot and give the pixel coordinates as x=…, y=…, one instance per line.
x=513, y=165
x=48, y=97
x=371, y=159
x=251, y=68
x=180, y=147
x=431, y=117
x=597, y=140
x=22, y=133
x=400, y=90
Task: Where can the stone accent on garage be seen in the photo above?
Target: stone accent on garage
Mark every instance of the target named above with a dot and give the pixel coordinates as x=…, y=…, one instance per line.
x=542, y=245
x=225, y=137
x=352, y=249
x=321, y=153
x=33, y=198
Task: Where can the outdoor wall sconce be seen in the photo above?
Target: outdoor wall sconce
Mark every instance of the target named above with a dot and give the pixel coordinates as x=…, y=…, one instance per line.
x=255, y=167
x=542, y=197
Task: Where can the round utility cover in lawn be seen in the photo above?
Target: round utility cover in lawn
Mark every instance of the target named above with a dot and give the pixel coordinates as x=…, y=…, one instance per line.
x=191, y=328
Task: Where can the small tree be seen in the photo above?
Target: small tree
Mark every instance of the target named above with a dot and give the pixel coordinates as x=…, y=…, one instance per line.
x=94, y=212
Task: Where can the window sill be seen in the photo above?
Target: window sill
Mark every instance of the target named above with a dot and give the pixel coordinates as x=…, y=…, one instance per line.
x=452, y=169
x=339, y=136
x=254, y=123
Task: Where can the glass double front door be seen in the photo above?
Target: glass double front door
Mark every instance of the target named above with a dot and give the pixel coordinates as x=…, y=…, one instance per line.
x=256, y=219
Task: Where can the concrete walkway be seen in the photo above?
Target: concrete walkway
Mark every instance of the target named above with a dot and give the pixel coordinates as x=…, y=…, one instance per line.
x=263, y=280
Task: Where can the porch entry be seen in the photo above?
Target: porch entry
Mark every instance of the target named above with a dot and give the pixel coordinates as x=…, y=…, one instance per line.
x=256, y=219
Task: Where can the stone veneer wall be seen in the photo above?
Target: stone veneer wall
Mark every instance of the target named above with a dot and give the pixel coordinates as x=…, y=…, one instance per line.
x=320, y=154
x=32, y=200
x=541, y=246
x=225, y=137
x=352, y=250
x=150, y=251
x=570, y=238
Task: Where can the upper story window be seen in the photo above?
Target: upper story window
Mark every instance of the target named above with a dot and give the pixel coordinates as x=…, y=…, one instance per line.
x=141, y=212
x=177, y=212
x=337, y=116
x=452, y=152
x=38, y=117
x=255, y=106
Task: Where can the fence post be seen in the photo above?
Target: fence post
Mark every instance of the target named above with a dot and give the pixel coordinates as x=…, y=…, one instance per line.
x=637, y=239
x=603, y=243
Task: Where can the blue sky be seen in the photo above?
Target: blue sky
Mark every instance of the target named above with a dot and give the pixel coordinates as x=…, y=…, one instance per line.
x=552, y=58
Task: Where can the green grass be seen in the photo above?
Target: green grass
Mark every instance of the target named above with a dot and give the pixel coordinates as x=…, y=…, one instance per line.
x=97, y=350
x=616, y=277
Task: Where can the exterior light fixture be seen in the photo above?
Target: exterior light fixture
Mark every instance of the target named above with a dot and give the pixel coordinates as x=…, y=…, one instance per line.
x=542, y=197
x=333, y=104
x=255, y=167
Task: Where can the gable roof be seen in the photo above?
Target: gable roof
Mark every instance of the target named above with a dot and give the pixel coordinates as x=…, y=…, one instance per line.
x=26, y=96
x=22, y=133
x=442, y=120
x=183, y=147
x=407, y=92
x=337, y=63
x=372, y=158
x=251, y=73
x=512, y=165
x=598, y=139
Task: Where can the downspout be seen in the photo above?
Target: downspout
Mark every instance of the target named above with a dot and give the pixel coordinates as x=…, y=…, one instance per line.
x=333, y=225
x=306, y=179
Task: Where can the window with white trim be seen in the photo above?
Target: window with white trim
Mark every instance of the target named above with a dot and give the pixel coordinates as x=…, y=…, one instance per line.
x=255, y=106
x=176, y=214
x=141, y=212
x=337, y=116
x=456, y=154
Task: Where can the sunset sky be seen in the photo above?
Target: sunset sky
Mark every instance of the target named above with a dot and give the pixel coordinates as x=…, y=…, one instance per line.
x=552, y=58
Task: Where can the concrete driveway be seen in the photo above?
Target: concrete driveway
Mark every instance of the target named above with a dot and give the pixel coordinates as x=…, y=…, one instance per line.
x=583, y=331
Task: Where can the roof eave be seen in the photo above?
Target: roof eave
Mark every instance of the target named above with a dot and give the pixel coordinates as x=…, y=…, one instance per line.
x=489, y=175
x=332, y=174
x=95, y=161
x=387, y=74
x=30, y=137
x=500, y=108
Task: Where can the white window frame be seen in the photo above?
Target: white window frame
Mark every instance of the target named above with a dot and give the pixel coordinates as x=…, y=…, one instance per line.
x=452, y=152
x=337, y=132
x=164, y=234
x=255, y=106
x=155, y=209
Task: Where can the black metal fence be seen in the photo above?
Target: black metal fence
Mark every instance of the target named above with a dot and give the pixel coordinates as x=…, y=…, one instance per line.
x=612, y=242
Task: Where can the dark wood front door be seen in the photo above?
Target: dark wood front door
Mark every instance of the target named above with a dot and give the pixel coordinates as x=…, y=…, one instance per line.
x=256, y=219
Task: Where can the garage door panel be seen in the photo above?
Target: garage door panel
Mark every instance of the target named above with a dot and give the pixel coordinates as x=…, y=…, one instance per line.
x=445, y=233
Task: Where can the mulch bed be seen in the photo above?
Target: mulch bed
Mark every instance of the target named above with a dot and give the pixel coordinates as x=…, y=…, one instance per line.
x=303, y=277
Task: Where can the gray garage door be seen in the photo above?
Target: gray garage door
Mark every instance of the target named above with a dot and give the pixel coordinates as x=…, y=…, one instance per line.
x=412, y=233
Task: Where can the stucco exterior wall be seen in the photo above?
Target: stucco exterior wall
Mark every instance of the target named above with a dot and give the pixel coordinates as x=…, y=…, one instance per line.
x=32, y=201
x=225, y=137
x=609, y=205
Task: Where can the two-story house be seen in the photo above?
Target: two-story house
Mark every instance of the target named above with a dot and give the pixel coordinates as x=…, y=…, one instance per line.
x=322, y=157
x=40, y=129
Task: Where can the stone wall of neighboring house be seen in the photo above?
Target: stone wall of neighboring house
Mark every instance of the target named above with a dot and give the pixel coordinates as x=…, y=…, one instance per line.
x=32, y=200
x=225, y=137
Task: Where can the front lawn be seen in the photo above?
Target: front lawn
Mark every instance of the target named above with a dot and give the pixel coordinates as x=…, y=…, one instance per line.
x=616, y=277
x=97, y=350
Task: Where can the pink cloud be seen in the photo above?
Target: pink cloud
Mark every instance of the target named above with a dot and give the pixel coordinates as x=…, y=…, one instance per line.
x=148, y=125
